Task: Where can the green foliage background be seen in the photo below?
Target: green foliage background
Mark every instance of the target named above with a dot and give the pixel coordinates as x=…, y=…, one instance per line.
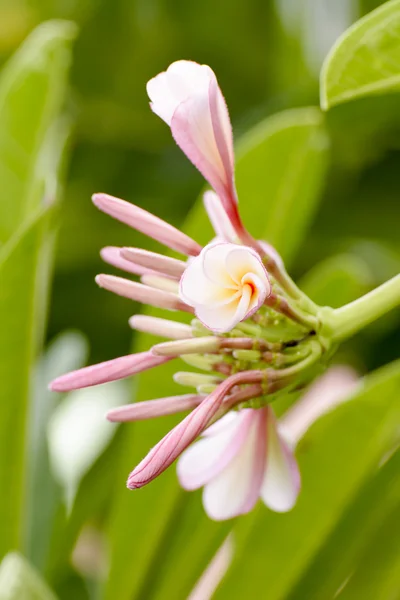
x=335, y=222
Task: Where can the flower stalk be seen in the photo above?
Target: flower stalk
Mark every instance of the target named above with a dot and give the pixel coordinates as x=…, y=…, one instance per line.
x=351, y=318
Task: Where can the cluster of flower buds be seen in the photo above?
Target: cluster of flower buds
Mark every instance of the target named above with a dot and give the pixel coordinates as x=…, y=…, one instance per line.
x=253, y=333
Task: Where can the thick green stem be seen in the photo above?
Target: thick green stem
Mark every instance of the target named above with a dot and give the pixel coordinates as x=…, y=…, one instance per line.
x=351, y=318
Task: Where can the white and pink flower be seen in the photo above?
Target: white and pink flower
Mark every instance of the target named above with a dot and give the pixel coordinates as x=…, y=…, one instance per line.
x=225, y=284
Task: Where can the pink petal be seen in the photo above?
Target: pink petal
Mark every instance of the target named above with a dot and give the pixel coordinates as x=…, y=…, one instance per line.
x=235, y=490
x=281, y=484
x=146, y=223
x=192, y=129
x=111, y=370
x=150, y=409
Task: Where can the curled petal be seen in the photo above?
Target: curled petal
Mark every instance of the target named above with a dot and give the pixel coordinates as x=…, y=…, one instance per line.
x=188, y=98
x=225, y=284
x=281, y=484
x=150, y=409
x=146, y=223
x=111, y=370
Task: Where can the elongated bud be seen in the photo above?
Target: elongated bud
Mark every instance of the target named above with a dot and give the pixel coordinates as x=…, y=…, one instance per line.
x=159, y=282
x=112, y=256
x=150, y=409
x=191, y=346
x=111, y=370
x=141, y=293
x=191, y=379
x=161, y=327
x=155, y=262
x=146, y=223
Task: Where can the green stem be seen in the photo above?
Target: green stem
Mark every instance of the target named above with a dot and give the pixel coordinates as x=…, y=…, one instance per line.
x=351, y=318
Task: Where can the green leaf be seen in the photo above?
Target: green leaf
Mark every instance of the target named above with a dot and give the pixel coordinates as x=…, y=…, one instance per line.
x=25, y=257
x=378, y=572
x=43, y=493
x=280, y=173
x=19, y=581
x=343, y=549
x=337, y=280
x=32, y=89
x=336, y=457
x=365, y=60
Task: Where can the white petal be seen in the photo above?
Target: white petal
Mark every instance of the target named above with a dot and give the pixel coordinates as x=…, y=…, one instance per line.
x=236, y=489
x=221, y=318
x=214, y=264
x=194, y=287
x=281, y=484
x=182, y=79
x=242, y=260
x=210, y=455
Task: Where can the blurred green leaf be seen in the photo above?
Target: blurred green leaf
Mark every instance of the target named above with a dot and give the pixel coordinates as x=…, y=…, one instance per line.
x=343, y=549
x=280, y=172
x=19, y=581
x=336, y=457
x=32, y=88
x=366, y=58
x=29, y=193
x=43, y=492
x=337, y=280
x=378, y=572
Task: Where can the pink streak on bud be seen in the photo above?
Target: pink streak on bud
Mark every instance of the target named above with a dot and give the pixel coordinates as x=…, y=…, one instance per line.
x=141, y=293
x=146, y=223
x=154, y=262
x=112, y=256
x=150, y=409
x=174, y=443
x=111, y=370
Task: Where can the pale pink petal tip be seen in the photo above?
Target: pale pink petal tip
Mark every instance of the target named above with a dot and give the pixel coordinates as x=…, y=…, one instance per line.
x=111, y=370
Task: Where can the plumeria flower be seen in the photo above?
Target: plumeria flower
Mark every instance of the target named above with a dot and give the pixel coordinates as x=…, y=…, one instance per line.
x=225, y=284
x=253, y=334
